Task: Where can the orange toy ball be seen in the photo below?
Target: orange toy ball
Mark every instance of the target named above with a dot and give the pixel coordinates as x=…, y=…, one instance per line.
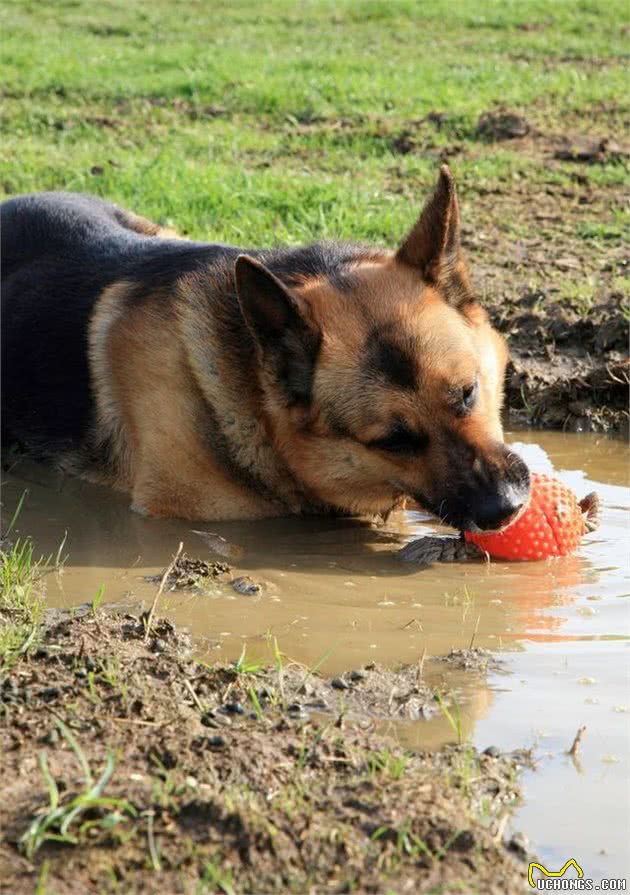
x=551, y=524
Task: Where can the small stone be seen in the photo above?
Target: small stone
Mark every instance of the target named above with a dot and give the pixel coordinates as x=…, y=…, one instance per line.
x=318, y=705
x=338, y=683
x=52, y=737
x=49, y=693
x=464, y=841
x=519, y=846
x=216, y=742
x=492, y=751
x=246, y=586
x=233, y=708
x=358, y=675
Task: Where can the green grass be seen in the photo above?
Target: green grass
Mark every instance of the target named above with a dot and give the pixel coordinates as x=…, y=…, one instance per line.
x=216, y=879
x=243, y=665
x=19, y=571
x=405, y=843
x=21, y=589
x=277, y=122
x=70, y=820
x=580, y=295
x=453, y=717
x=20, y=598
x=387, y=763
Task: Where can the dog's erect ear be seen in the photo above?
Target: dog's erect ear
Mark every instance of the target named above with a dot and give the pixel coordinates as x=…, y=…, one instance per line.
x=433, y=245
x=281, y=326
x=269, y=308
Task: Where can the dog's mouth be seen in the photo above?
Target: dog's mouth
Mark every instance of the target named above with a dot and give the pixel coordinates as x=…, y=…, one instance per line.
x=443, y=514
x=472, y=526
x=485, y=500
x=463, y=521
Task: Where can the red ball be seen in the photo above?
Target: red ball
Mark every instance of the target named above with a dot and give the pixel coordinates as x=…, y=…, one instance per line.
x=551, y=524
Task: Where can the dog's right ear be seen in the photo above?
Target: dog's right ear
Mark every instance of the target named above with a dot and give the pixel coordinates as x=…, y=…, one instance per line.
x=433, y=244
x=281, y=326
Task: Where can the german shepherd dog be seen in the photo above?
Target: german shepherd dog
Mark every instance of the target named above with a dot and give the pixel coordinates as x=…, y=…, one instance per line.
x=211, y=382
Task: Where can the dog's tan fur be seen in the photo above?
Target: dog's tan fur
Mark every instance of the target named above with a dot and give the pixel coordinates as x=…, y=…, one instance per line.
x=148, y=403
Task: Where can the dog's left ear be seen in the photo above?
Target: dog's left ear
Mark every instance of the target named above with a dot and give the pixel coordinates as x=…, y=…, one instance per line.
x=281, y=326
x=433, y=245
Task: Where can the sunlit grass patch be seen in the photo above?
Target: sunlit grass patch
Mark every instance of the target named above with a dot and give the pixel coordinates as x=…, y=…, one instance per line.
x=20, y=597
x=295, y=124
x=21, y=589
x=69, y=820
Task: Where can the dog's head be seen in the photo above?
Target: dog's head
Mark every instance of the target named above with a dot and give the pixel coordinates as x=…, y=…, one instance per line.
x=386, y=378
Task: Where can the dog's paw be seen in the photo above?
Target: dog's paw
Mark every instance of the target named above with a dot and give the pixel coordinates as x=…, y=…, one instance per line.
x=140, y=509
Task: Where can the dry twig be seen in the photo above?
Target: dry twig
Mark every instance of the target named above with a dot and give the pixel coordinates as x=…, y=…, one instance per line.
x=575, y=748
x=163, y=580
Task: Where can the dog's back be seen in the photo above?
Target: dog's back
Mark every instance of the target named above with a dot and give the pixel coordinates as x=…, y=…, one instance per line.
x=47, y=224
x=59, y=251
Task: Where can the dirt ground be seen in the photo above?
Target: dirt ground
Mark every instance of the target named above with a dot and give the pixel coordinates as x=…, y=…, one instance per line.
x=562, y=300
x=233, y=778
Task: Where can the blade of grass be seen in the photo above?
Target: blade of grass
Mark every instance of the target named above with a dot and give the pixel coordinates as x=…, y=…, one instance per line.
x=16, y=513
x=72, y=742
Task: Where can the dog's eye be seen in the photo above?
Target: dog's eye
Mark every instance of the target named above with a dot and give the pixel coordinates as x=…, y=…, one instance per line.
x=469, y=397
x=401, y=440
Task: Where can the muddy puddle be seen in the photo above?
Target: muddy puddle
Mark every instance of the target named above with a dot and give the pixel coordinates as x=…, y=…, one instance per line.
x=333, y=594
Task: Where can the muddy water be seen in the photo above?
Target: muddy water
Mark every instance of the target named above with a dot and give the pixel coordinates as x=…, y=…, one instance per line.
x=333, y=592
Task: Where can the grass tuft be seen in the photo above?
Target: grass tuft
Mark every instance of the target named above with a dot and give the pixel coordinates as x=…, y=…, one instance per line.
x=387, y=763
x=243, y=665
x=21, y=604
x=69, y=821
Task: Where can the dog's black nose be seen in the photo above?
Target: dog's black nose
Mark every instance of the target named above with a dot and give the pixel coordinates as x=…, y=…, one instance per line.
x=495, y=509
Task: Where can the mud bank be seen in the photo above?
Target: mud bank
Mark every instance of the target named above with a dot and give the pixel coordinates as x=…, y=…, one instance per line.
x=567, y=371
x=561, y=299
x=128, y=766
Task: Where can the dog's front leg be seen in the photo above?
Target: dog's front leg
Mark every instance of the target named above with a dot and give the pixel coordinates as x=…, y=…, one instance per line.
x=192, y=489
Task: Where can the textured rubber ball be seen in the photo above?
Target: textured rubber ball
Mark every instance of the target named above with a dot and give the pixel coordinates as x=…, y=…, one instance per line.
x=552, y=524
